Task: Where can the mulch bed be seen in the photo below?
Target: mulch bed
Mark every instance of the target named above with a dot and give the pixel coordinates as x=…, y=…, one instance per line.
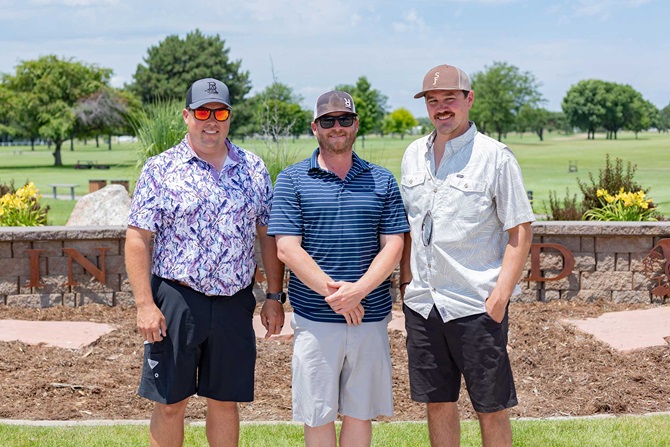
x=559, y=371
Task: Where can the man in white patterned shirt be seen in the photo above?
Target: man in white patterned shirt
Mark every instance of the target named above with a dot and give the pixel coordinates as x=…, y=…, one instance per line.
x=470, y=235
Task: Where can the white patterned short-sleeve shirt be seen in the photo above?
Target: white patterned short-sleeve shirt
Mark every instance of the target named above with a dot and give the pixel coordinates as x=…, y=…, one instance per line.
x=474, y=196
x=204, y=221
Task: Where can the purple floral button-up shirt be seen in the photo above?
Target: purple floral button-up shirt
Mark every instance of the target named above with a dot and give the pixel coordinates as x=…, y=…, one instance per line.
x=204, y=221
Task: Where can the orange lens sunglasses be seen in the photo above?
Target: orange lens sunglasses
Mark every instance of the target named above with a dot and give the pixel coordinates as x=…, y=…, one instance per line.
x=203, y=114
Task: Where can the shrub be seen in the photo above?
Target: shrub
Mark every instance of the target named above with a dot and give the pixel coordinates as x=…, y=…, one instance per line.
x=610, y=179
x=569, y=209
x=21, y=207
x=614, y=196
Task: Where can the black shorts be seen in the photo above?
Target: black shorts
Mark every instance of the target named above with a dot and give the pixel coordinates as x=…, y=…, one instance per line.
x=474, y=347
x=210, y=347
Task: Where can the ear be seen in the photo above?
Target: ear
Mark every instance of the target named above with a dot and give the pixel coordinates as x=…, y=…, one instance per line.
x=471, y=98
x=184, y=113
x=314, y=127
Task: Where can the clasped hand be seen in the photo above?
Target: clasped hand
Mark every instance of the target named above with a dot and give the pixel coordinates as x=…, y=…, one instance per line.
x=345, y=299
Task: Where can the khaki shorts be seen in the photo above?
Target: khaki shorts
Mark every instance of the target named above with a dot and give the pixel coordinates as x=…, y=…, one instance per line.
x=340, y=369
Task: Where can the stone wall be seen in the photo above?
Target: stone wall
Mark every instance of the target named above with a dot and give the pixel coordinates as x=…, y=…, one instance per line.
x=608, y=261
x=45, y=266
x=73, y=266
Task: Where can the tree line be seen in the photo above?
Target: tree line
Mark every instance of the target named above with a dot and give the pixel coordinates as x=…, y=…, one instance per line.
x=55, y=100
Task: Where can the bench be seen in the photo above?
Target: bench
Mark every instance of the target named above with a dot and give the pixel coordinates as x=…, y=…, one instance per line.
x=55, y=187
x=572, y=166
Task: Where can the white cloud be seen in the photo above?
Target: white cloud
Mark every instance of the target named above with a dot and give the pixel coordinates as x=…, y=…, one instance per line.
x=484, y=2
x=411, y=22
x=77, y=2
x=603, y=9
x=294, y=16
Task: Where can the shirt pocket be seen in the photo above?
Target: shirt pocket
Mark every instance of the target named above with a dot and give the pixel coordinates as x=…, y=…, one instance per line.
x=413, y=190
x=468, y=198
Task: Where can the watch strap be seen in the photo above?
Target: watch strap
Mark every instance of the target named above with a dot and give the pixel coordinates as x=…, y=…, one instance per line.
x=281, y=297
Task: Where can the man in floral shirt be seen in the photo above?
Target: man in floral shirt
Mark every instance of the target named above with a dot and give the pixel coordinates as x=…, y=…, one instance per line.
x=203, y=201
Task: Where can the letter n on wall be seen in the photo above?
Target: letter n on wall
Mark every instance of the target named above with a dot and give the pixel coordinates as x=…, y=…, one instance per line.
x=74, y=255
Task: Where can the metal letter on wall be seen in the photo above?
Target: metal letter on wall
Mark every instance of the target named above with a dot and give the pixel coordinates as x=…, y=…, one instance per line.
x=657, y=267
x=98, y=273
x=34, y=268
x=535, y=272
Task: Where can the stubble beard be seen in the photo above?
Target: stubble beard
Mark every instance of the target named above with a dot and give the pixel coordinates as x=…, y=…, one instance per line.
x=336, y=148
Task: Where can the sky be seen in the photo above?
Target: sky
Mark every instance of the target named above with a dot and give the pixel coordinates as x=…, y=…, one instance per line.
x=313, y=46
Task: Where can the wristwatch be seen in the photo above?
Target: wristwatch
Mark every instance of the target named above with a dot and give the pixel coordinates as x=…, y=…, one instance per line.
x=281, y=297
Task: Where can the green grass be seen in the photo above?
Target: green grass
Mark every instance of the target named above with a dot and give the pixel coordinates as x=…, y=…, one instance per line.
x=544, y=164
x=638, y=431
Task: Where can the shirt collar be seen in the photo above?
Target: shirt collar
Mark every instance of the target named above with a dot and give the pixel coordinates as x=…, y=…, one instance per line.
x=454, y=145
x=359, y=165
x=186, y=153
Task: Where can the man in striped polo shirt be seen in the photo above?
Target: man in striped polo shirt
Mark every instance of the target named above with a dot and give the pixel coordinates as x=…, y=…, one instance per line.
x=339, y=224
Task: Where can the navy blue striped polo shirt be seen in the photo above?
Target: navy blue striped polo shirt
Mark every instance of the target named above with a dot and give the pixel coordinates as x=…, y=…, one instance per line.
x=340, y=222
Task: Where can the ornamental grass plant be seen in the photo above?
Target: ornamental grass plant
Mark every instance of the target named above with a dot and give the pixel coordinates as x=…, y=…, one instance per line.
x=158, y=127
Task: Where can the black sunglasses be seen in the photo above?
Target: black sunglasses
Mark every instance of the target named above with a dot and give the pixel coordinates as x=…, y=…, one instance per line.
x=327, y=122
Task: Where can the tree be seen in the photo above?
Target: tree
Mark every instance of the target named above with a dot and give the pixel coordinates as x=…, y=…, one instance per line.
x=593, y=104
x=558, y=122
x=370, y=106
x=643, y=115
x=5, y=98
x=174, y=64
x=105, y=112
x=500, y=92
x=663, y=124
x=533, y=118
x=619, y=110
x=45, y=93
x=399, y=121
x=584, y=105
x=425, y=124
x=279, y=112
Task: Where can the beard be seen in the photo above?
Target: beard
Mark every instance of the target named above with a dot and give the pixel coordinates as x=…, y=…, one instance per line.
x=336, y=147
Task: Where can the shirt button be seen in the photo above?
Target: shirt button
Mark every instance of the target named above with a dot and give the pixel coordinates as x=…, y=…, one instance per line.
x=435, y=190
x=411, y=181
x=466, y=185
x=433, y=289
x=430, y=266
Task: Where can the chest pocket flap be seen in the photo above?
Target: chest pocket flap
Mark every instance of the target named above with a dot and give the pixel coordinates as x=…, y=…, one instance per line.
x=412, y=180
x=467, y=185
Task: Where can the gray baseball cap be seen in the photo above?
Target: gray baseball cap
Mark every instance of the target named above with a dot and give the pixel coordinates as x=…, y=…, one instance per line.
x=444, y=77
x=334, y=101
x=207, y=90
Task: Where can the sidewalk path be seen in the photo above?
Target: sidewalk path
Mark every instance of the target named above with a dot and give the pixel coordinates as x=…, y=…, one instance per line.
x=629, y=329
x=624, y=331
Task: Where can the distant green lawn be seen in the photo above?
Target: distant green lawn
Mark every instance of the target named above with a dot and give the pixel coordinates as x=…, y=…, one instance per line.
x=544, y=164
x=638, y=431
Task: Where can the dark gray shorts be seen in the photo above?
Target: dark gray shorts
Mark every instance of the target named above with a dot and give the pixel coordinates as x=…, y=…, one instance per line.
x=210, y=347
x=474, y=347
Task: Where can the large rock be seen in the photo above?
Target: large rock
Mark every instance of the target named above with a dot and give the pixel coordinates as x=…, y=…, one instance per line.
x=107, y=206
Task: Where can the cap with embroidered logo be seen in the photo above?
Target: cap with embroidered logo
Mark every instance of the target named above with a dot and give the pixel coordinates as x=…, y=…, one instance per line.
x=207, y=90
x=444, y=77
x=334, y=101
